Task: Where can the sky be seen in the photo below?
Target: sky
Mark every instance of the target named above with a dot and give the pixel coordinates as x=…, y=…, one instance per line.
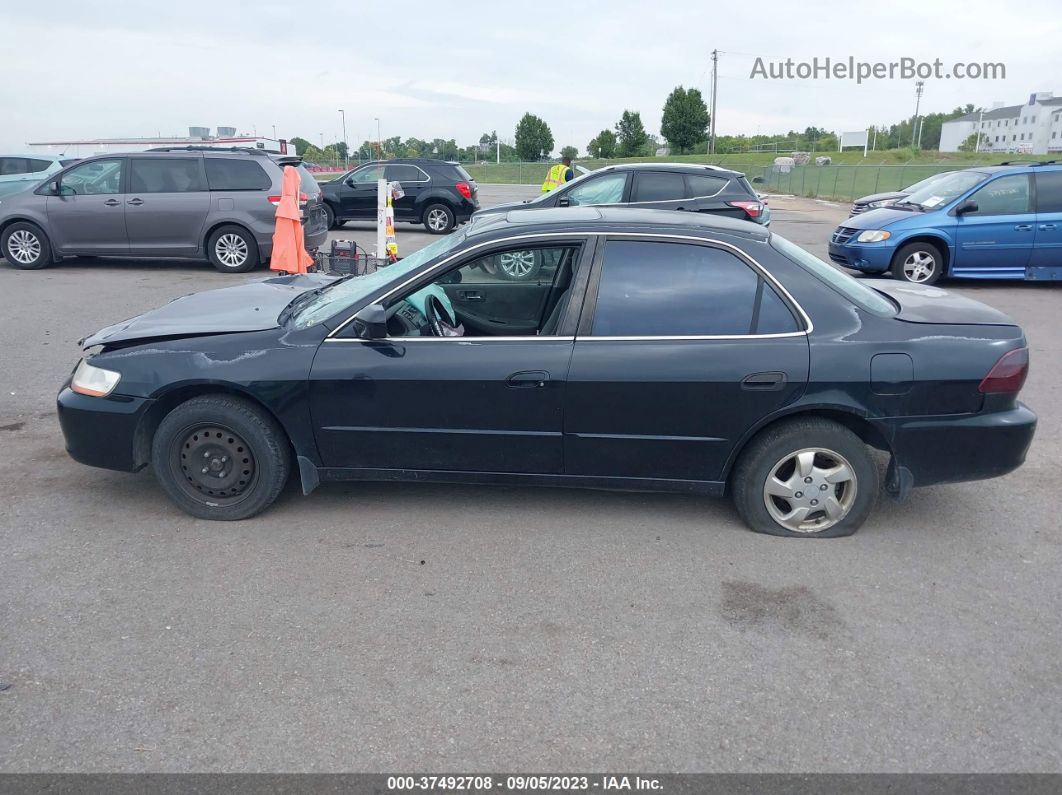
x=455, y=70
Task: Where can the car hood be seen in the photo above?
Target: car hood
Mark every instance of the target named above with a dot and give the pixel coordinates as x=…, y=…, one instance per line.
x=922, y=304
x=878, y=197
x=245, y=307
x=881, y=217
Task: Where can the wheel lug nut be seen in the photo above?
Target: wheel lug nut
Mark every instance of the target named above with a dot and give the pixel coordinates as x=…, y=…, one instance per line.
x=807, y=480
x=205, y=470
x=814, y=502
x=206, y=454
x=823, y=487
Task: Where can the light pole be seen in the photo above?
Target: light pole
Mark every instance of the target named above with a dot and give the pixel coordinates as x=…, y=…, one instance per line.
x=379, y=138
x=274, y=132
x=343, y=114
x=916, y=133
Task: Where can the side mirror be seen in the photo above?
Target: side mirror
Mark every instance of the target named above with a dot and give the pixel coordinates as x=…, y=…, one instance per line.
x=370, y=322
x=564, y=201
x=968, y=206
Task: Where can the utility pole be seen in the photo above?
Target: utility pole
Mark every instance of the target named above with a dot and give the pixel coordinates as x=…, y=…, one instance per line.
x=497, y=148
x=274, y=132
x=715, y=87
x=343, y=114
x=916, y=137
x=980, y=121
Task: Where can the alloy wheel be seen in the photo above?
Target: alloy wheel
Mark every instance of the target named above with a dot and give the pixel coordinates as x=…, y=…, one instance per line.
x=231, y=250
x=438, y=220
x=810, y=490
x=517, y=264
x=23, y=246
x=919, y=266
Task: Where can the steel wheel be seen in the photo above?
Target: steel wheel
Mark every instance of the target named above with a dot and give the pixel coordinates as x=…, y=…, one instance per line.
x=215, y=464
x=231, y=250
x=919, y=266
x=437, y=219
x=810, y=490
x=24, y=247
x=517, y=265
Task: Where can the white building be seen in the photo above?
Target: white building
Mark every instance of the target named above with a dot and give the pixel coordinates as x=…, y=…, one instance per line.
x=1033, y=128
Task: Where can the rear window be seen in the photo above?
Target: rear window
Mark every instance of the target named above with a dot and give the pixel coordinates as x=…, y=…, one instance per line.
x=307, y=181
x=859, y=294
x=233, y=174
x=464, y=174
x=22, y=165
x=697, y=185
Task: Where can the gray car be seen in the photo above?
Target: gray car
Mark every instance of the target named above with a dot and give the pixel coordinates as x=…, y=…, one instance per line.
x=183, y=202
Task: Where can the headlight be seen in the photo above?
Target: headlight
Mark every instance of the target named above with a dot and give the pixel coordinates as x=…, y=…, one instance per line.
x=873, y=236
x=882, y=203
x=94, y=381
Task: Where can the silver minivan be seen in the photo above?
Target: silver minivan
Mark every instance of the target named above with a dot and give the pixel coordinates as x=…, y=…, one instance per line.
x=182, y=202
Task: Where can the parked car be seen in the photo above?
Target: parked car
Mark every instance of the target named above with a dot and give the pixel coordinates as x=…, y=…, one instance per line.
x=659, y=351
x=993, y=222
x=172, y=202
x=889, y=198
x=438, y=193
x=18, y=172
x=658, y=186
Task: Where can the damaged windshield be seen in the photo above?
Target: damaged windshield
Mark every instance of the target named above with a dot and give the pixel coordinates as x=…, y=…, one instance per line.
x=344, y=292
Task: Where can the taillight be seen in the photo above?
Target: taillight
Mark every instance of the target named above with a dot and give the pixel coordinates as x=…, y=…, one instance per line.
x=464, y=189
x=1007, y=376
x=274, y=200
x=752, y=209
x=303, y=198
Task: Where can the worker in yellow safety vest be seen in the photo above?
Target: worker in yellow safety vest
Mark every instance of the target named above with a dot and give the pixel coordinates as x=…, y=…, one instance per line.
x=558, y=175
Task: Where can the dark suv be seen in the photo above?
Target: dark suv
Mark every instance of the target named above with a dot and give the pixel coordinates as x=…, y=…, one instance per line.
x=658, y=186
x=173, y=202
x=438, y=194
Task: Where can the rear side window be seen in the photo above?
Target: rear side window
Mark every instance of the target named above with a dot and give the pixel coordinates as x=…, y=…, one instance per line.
x=403, y=173
x=657, y=186
x=165, y=175
x=233, y=174
x=855, y=291
x=682, y=290
x=22, y=165
x=697, y=185
x=1049, y=192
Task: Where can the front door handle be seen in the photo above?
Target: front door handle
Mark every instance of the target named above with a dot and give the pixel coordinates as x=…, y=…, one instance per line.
x=528, y=379
x=763, y=382
x=135, y=202
x=469, y=295
x=1047, y=227
x=1023, y=228
x=112, y=202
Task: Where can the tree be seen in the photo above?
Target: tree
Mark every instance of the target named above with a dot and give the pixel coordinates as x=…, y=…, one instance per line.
x=630, y=134
x=970, y=144
x=604, y=145
x=685, y=119
x=300, y=144
x=569, y=152
x=534, y=140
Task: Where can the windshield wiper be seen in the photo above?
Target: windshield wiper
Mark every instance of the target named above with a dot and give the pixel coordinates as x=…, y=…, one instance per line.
x=303, y=298
x=916, y=205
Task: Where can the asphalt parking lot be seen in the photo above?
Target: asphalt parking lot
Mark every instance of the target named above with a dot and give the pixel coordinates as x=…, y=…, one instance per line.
x=399, y=627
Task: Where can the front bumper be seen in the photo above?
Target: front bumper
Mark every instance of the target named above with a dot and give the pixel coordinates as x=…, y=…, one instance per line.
x=872, y=257
x=102, y=432
x=930, y=450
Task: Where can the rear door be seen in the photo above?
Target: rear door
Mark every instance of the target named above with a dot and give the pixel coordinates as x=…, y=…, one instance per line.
x=88, y=216
x=167, y=205
x=681, y=348
x=996, y=241
x=414, y=183
x=1046, y=259
x=660, y=190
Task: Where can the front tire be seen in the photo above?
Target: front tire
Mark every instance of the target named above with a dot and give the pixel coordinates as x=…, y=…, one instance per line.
x=439, y=219
x=918, y=263
x=805, y=478
x=26, y=246
x=220, y=457
x=232, y=249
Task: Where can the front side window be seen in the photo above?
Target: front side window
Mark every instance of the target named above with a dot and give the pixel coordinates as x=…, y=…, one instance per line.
x=367, y=174
x=165, y=175
x=93, y=178
x=607, y=189
x=658, y=186
x=1003, y=196
x=651, y=289
x=233, y=174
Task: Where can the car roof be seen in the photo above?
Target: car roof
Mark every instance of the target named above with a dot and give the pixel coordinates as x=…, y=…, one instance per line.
x=602, y=218
x=692, y=167
x=415, y=161
x=34, y=155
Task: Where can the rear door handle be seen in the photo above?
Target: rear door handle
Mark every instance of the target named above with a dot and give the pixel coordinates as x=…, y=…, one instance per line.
x=528, y=379
x=135, y=202
x=763, y=382
x=1047, y=227
x=112, y=202
x=1023, y=228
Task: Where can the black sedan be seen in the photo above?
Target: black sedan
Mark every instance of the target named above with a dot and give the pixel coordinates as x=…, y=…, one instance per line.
x=653, y=351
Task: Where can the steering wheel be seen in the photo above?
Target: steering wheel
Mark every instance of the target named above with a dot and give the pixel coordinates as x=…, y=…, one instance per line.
x=439, y=321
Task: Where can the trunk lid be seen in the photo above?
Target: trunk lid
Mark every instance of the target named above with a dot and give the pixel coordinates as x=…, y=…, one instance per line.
x=923, y=304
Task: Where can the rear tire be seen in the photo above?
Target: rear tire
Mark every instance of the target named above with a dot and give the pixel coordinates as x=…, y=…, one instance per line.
x=26, y=246
x=220, y=457
x=918, y=263
x=805, y=478
x=439, y=219
x=330, y=217
x=232, y=249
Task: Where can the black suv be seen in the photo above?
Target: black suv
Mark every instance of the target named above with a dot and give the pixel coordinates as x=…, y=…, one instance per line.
x=659, y=186
x=439, y=194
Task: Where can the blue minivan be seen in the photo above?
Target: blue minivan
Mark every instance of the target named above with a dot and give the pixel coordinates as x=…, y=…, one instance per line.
x=991, y=222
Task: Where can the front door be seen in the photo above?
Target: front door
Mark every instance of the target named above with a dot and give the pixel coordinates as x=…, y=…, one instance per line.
x=358, y=195
x=487, y=400
x=996, y=240
x=685, y=347
x=1046, y=259
x=167, y=205
x=88, y=215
